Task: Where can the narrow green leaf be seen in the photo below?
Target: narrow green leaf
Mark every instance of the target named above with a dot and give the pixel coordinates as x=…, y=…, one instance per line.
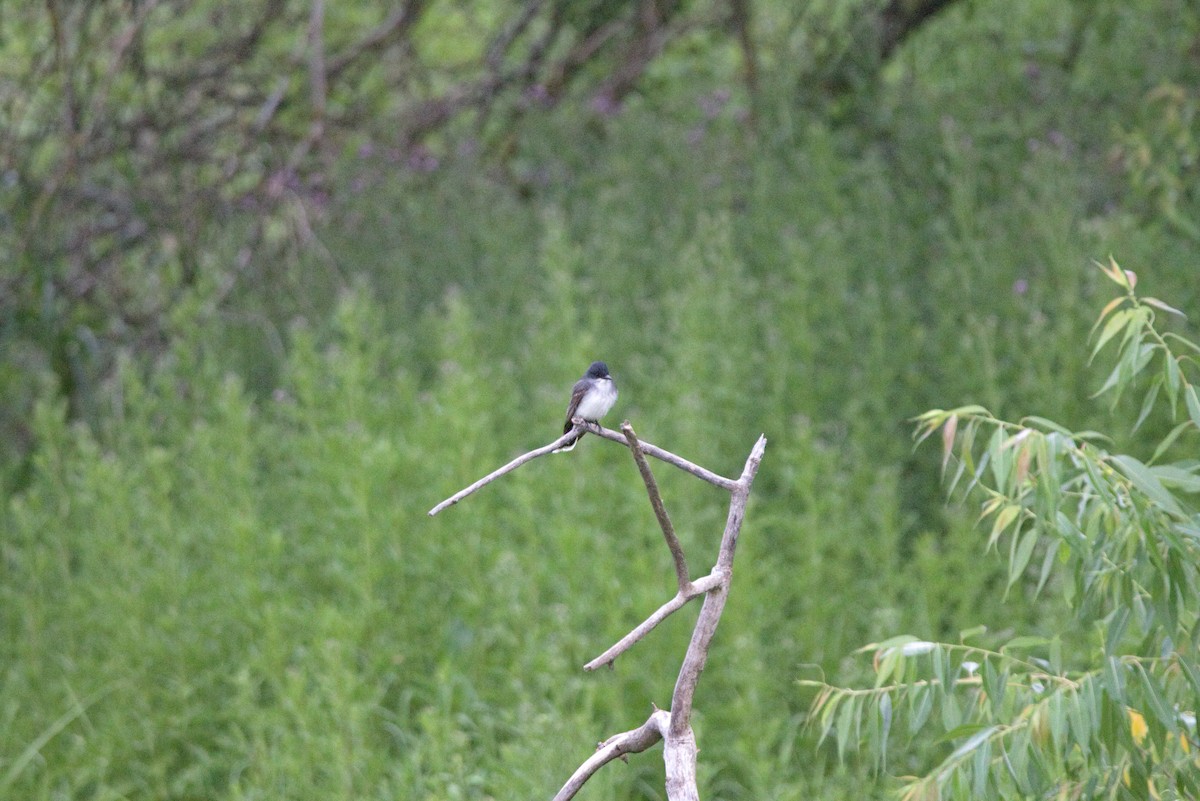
x=1138, y=318
x=1189, y=670
x=1042, y=422
x=1115, y=323
x=958, y=474
x=885, y=714
x=1110, y=381
x=891, y=642
x=1056, y=709
x=1118, y=622
x=980, y=769
x=958, y=732
x=1193, y=534
x=951, y=713
x=828, y=710
x=1047, y=565
x=1171, y=370
x=1148, y=401
x=1158, y=304
x=920, y=714
x=1001, y=461
x=1157, y=703
x=972, y=410
x=845, y=724
x=1108, y=307
x=859, y=713
x=1016, y=760
x=1175, y=477
x=1182, y=341
x=1003, y=520
x=1081, y=726
x=1145, y=353
x=948, y=432
x=1169, y=439
x=1114, y=679
x=1113, y=271
x=1193, y=403
x=973, y=742
x=1186, y=783
x=966, y=455
x=974, y=631
x=985, y=459
x=1025, y=641
x=1147, y=483
x=1023, y=552
x=995, y=681
x=892, y=663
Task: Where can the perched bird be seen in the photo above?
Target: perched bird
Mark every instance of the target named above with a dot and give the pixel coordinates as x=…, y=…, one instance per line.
x=591, y=398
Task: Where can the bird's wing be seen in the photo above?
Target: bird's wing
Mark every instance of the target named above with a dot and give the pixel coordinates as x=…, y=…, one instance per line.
x=577, y=392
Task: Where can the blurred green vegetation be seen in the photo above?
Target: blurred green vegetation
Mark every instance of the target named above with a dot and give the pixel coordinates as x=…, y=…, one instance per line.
x=218, y=580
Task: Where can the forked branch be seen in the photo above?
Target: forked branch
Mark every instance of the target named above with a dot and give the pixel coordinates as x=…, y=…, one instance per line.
x=627, y=742
x=679, y=742
x=570, y=436
x=672, y=726
x=696, y=588
x=660, y=511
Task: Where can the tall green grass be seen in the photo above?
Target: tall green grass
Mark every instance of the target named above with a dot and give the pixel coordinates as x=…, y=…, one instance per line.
x=231, y=589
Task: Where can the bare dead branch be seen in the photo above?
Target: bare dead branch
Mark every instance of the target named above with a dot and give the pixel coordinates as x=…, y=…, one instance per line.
x=573, y=434
x=696, y=588
x=662, y=455
x=674, y=727
x=495, y=474
x=714, y=602
x=679, y=757
x=660, y=511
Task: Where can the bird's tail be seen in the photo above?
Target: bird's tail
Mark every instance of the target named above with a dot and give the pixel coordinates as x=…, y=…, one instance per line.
x=570, y=446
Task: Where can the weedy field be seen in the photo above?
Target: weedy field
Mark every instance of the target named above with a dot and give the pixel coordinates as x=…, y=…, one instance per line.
x=224, y=584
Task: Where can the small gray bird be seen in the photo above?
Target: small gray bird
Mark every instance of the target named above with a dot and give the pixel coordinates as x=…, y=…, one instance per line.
x=591, y=398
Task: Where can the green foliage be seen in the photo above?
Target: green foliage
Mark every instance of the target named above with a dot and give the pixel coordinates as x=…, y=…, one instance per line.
x=1118, y=537
x=217, y=576
x=1161, y=155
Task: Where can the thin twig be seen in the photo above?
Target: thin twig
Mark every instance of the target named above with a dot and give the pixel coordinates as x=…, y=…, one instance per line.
x=318, y=82
x=660, y=511
x=696, y=588
x=573, y=434
x=495, y=474
x=393, y=28
x=627, y=742
x=660, y=454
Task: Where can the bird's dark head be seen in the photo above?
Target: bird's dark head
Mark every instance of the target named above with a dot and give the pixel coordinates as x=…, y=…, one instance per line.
x=598, y=370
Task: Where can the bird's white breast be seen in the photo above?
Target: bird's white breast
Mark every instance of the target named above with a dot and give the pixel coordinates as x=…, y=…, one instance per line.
x=598, y=400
